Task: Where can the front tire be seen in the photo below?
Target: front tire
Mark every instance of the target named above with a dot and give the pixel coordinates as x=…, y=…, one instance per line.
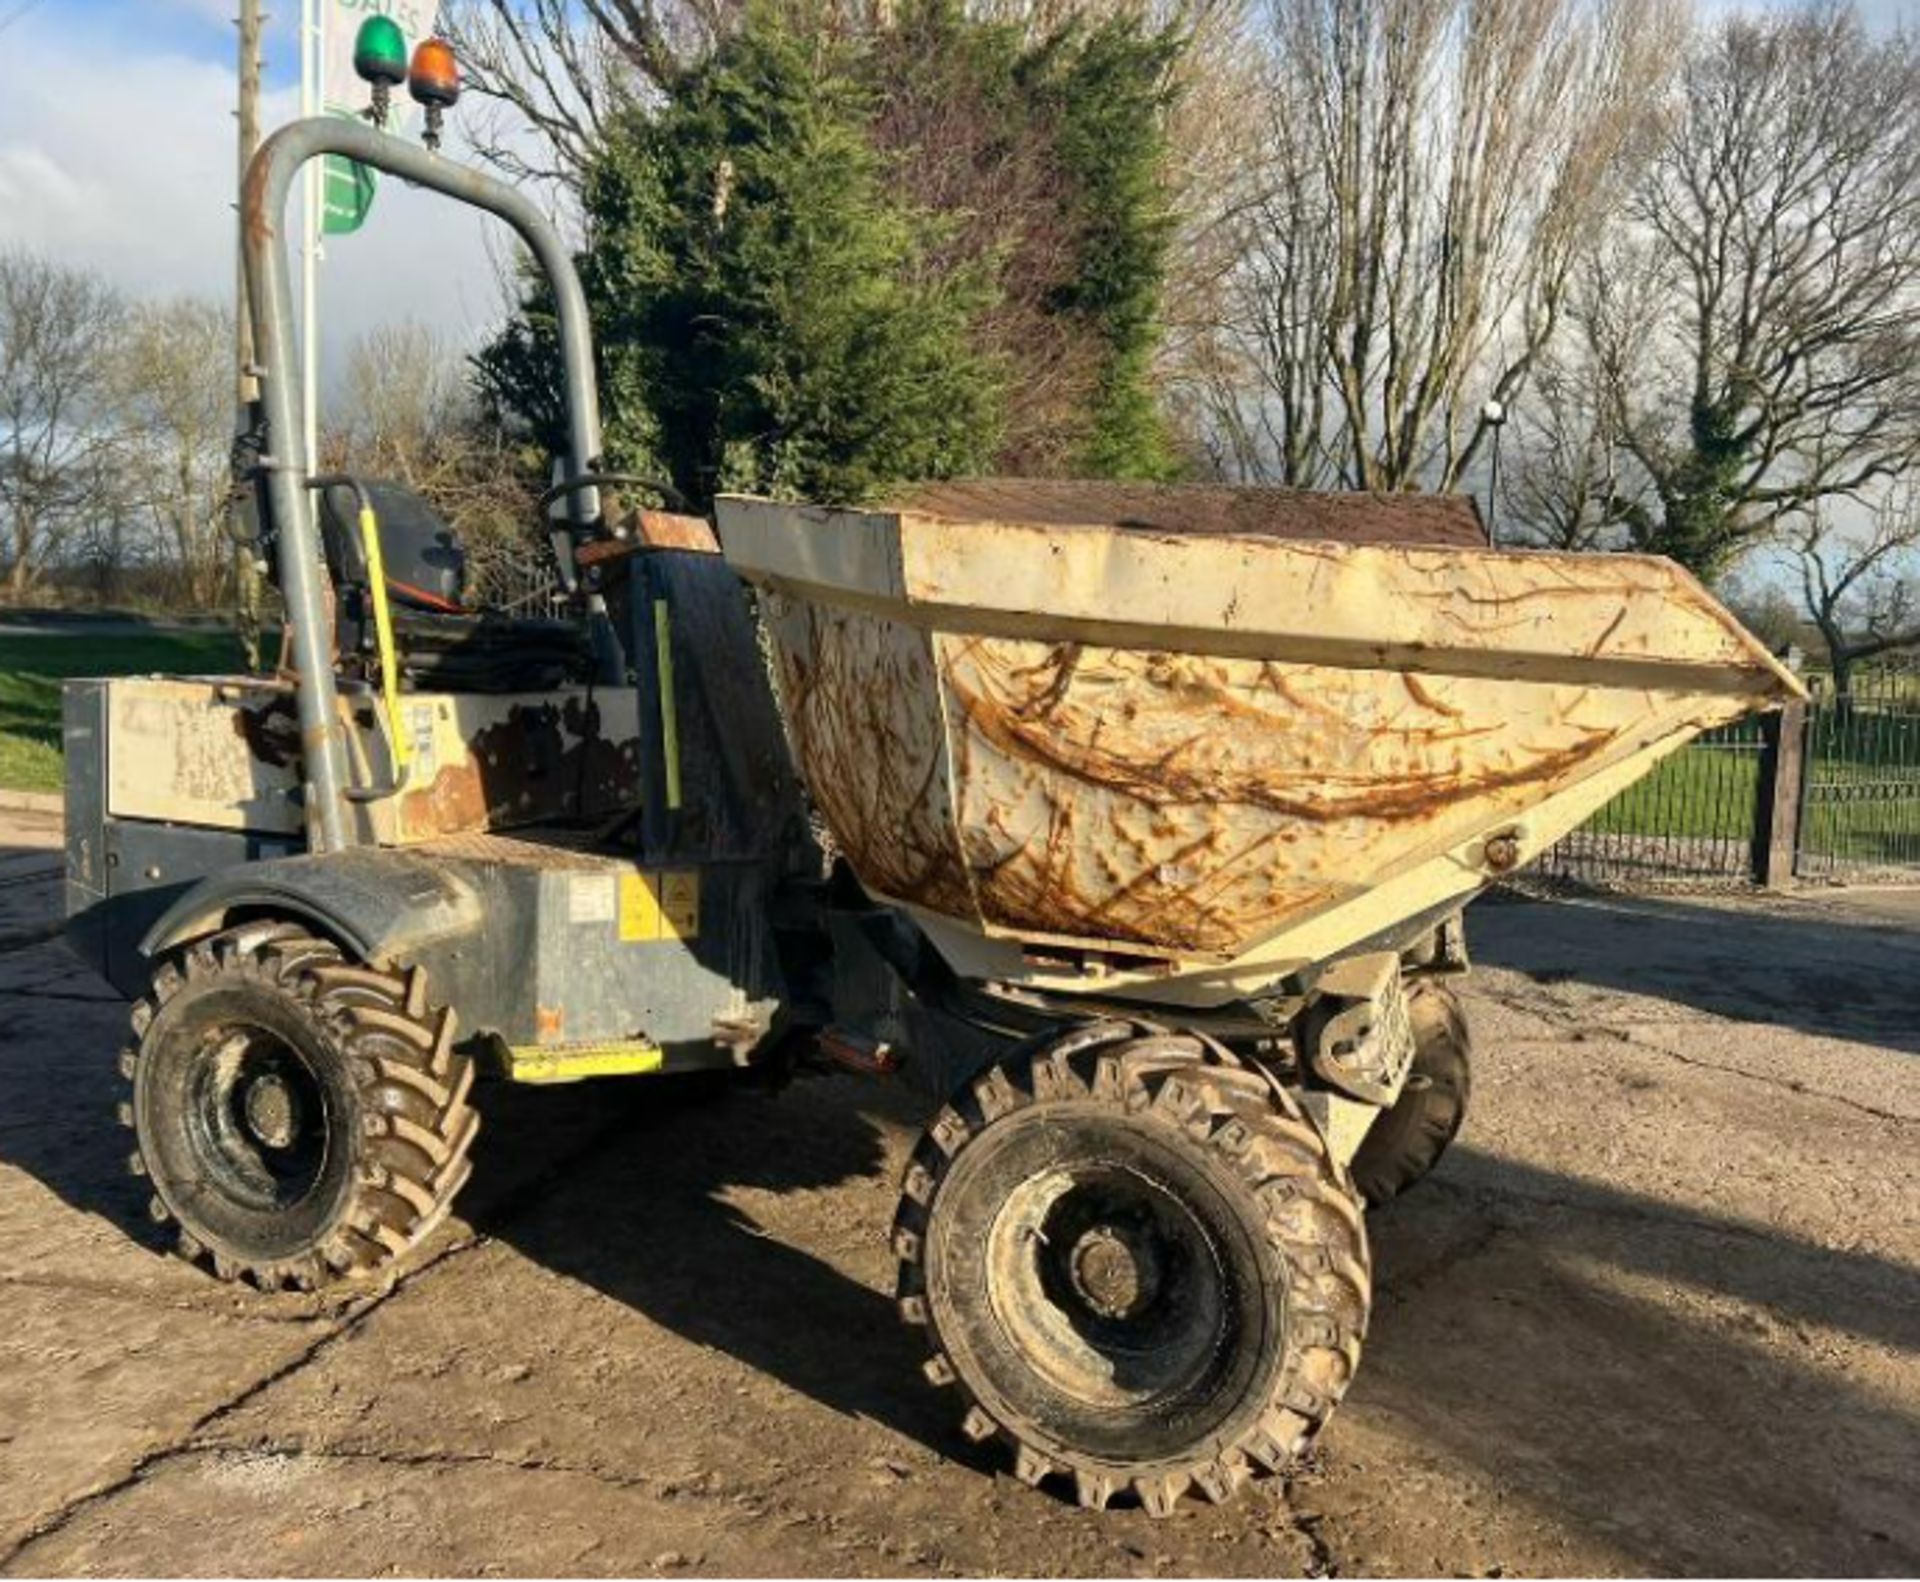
x=1137, y=1261
x=1402, y=1147
x=302, y=1119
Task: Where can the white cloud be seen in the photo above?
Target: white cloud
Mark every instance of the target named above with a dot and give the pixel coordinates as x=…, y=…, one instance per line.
x=30, y=180
x=128, y=167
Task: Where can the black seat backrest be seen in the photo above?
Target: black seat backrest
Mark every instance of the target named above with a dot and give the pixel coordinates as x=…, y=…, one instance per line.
x=425, y=562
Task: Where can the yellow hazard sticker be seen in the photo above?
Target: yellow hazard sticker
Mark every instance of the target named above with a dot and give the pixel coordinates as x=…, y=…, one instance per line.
x=680, y=903
x=660, y=904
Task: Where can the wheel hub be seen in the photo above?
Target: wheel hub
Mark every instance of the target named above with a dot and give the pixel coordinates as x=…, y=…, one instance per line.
x=1115, y=1271
x=1112, y=1299
x=272, y=1111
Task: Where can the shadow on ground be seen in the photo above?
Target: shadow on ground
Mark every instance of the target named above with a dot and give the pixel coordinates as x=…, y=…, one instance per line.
x=657, y=1222
x=1684, y=1386
x=1799, y=1281
x=31, y=883
x=1818, y=971
x=1527, y=1328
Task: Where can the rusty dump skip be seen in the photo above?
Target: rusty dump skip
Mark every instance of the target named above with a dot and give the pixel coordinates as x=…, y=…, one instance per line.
x=1206, y=757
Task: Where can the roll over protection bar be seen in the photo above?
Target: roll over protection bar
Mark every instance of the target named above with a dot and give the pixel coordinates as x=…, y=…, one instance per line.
x=303, y=577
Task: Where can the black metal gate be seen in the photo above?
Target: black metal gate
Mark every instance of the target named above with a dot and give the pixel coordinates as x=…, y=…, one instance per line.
x=1860, y=799
x=1832, y=791
x=1694, y=820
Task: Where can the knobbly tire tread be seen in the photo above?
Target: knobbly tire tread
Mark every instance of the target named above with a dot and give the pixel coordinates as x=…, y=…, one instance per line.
x=1404, y=1145
x=1314, y=1219
x=414, y=1090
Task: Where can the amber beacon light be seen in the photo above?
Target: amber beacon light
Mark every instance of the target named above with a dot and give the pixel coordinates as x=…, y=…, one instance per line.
x=434, y=79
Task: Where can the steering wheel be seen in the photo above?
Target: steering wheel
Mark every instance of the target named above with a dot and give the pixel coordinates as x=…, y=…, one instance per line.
x=676, y=501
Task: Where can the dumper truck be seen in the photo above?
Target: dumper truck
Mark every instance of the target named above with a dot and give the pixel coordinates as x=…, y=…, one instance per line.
x=1131, y=825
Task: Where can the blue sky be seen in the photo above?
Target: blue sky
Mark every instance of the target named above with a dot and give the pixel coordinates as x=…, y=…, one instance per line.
x=202, y=28
x=117, y=151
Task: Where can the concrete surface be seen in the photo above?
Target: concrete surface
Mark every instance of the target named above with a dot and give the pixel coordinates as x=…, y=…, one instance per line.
x=1659, y=1313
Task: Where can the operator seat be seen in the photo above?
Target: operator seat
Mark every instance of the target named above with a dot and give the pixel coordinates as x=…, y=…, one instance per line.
x=443, y=644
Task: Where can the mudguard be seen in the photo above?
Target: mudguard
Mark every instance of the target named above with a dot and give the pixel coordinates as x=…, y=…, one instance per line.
x=382, y=905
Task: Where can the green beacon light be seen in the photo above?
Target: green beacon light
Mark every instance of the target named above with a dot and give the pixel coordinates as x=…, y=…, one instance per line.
x=380, y=58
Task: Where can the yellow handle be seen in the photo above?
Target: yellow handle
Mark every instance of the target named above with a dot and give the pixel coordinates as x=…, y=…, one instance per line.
x=383, y=632
x=669, y=719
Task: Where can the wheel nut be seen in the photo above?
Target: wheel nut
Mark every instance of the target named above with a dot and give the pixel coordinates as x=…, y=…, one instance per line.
x=270, y=1112
x=1114, y=1278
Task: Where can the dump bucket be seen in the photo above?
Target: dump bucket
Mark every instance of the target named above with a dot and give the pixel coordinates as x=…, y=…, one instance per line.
x=1208, y=736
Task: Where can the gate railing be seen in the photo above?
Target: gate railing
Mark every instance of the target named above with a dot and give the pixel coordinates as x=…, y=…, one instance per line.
x=1860, y=800
x=1692, y=820
x=1823, y=790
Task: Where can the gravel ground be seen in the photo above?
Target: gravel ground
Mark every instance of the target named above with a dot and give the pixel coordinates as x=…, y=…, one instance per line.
x=1659, y=1313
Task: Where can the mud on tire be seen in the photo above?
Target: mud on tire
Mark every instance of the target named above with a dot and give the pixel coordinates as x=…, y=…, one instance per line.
x=1134, y=1258
x=301, y=1118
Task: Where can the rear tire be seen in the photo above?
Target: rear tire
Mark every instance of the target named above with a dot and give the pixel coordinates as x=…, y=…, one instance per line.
x=1137, y=1261
x=1402, y=1147
x=302, y=1119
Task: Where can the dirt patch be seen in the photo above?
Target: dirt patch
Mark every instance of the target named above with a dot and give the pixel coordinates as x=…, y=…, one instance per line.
x=1659, y=1313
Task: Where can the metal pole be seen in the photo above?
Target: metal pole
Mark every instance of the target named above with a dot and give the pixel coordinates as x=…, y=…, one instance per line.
x=1494, y=416
x=303, y=577
x=246, y=387
x=246, y=576
x=1493, y=491
x=312, y=69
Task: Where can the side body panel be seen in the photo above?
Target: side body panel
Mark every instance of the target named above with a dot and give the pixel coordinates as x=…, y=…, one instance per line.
x=224, y=753
x=122, y=875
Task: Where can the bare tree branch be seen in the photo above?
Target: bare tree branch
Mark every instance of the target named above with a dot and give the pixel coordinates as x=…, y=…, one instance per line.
x=1777, y=364
x=172, y=406
x=1862, y=590
x=1433, y=172
x=554, y=70
x=410, y=415
x=57, y=326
